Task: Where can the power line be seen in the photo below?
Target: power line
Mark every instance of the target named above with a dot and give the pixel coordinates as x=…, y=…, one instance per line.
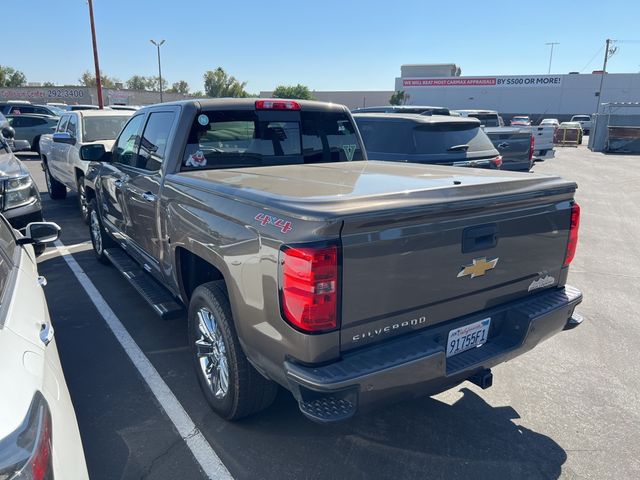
x=592, y=59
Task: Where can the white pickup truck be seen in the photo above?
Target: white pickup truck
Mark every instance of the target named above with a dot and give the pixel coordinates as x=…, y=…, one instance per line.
x=59, y=151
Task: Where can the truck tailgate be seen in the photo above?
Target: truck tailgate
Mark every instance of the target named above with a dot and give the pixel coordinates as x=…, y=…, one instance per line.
x=404, y=272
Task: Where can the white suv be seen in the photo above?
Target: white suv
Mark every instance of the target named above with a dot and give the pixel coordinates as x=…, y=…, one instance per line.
x=584, y=121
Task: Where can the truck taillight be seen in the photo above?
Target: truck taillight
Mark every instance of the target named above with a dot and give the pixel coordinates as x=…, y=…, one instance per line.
x=532, y=146
x=572, y=243
x=277, y=105
x=309, y=287
x=497, y=162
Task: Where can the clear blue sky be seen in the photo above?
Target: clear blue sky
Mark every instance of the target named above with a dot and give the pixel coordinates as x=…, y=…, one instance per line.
x=327, y=45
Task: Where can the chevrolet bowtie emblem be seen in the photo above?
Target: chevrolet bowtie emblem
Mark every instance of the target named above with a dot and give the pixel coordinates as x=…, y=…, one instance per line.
x=478, y=268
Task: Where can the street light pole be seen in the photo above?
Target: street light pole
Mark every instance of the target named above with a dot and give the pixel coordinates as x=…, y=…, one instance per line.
x=158, y=45
x=551, y=54
x=607, y=53
x=95, y=55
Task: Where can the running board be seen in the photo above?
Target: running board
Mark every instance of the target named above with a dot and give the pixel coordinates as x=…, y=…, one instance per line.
x=158, y=297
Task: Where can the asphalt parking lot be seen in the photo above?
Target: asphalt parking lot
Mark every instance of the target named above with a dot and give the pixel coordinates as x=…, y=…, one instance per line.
x=568, y=409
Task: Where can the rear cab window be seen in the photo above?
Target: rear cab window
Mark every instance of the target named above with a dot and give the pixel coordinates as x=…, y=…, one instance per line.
x=486, y=119
x=253, y=138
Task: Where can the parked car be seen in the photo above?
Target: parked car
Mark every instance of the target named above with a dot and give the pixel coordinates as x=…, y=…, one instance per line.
x=59, y=152
x=19, y=196
x=132, y=108
x=17, y=108
x=435, y=140
x=420, y=109
x=584, y=121
x=351, y=283
x=75, y=108
x=39, y=436
x=550, y=121
x=30, y=127
x=488, y=118
x=520, y=121
x=515, y=145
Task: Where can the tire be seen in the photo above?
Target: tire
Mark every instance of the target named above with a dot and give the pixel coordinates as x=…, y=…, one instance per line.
x=57, y=191
x=100, y=239
x=83, y=204
x=214, y=346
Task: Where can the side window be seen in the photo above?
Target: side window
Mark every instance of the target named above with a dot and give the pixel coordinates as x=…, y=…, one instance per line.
x=126, y=150
x=17, y=121
x=154, y=140
x=62, y=124
x=28, y=122
x=42, y=111
x=72, y=126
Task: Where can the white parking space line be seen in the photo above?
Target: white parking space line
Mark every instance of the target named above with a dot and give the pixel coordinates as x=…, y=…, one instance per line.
x=199, y=446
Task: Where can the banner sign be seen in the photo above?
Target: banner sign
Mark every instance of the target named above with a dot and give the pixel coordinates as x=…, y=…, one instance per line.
x=56, y=93
x=516, y=81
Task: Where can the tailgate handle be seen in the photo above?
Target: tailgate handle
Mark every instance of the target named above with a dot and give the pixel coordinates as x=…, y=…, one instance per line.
x=481, y=237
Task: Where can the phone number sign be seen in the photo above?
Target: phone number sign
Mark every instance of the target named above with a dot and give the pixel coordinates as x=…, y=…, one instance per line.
x=519, y=81
x=42, y=93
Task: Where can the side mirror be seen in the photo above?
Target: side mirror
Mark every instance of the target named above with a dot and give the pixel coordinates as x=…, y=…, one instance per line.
x=94, y=153
x=8, y=132
x=39, y=233
x=64, y=137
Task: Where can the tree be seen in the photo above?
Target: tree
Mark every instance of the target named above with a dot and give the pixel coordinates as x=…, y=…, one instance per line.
x=48, y=84
x=10, y=77
x=399, y=98
x=298, y=91
x=218, y=83
x=89, y=80
x=198, y=94
x=179, y=87
x=139, y=82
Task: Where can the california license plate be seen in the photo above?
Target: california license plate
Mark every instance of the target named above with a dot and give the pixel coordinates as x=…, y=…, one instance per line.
x=469, y=336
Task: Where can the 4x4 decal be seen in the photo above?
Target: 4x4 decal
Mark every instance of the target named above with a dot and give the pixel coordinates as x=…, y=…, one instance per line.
x=284, y=225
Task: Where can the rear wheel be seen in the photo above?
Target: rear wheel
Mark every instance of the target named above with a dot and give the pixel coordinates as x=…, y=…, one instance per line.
x=231, y=385
x=100, y=239
x=57, y=191
x=82, y=200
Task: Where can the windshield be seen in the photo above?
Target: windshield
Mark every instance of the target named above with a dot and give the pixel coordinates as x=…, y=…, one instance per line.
x=247, y=138
x=102, y=128
x=486, y=119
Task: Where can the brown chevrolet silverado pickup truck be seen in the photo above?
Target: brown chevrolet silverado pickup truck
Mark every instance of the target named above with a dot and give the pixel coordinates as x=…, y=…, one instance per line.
x=349, y=282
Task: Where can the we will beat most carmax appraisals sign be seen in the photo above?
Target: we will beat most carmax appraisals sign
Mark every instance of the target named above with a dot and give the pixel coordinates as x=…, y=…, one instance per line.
x=519, y=81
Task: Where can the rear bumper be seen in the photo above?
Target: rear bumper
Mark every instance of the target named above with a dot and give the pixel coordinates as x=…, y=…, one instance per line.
x=416, y=364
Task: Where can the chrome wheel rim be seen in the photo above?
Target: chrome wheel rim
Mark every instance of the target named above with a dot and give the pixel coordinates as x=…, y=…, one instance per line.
x=84, y=207
x=212, y=353
x=96, y=234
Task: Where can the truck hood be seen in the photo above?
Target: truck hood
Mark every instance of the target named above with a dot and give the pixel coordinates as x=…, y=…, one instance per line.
x=10, y=166
x=347, y=188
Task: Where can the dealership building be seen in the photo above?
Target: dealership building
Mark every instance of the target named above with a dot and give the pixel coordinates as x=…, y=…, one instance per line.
x=557, y=96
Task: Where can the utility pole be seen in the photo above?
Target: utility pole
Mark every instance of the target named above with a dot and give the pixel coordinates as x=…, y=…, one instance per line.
x=551, y=55
x=95, y=55
x=608, y=51
x=158, y=45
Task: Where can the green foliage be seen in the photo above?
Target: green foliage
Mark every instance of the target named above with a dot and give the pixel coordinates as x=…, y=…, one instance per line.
x=399, y=98
x=139, y=82
x=10, y=77
x=89, y=80
x=48, y=84
x=179, y=87
x=298, y=91
x=218, y=83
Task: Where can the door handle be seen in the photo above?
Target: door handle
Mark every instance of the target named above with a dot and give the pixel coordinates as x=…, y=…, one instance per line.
x=118, y=183
x=149, y=197
x=503, y=145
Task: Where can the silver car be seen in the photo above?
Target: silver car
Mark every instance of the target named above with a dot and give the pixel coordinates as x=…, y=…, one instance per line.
x=31, y=126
